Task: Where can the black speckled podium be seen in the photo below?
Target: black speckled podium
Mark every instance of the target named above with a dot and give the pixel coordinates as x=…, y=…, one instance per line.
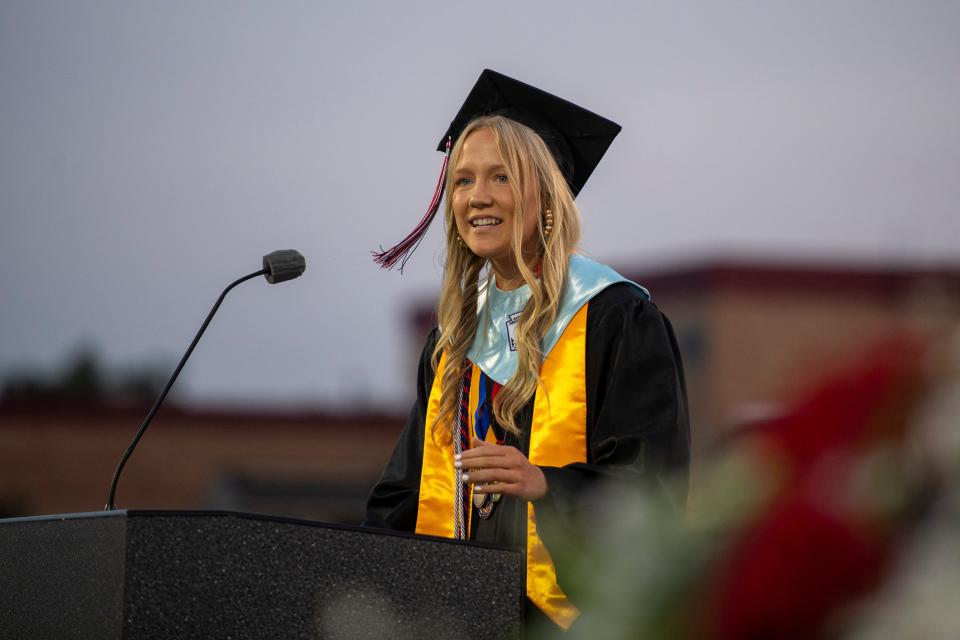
x=201, y=574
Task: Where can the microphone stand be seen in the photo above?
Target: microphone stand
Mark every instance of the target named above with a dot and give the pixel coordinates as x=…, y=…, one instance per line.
x=163, y=394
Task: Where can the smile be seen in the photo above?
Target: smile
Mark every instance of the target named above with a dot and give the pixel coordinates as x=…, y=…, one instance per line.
x=485, y=222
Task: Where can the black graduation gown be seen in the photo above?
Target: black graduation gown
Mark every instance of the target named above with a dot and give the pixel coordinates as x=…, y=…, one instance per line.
x=637, y=431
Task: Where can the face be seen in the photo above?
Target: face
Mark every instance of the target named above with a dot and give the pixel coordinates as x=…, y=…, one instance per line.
x=484, y=207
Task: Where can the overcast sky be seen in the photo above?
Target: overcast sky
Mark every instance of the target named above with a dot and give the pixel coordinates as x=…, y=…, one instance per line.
x=152, y=152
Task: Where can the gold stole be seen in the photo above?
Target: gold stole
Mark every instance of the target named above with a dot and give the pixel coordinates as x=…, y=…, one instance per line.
x=557, y=438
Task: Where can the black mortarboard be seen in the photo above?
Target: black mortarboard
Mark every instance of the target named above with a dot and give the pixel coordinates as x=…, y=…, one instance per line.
x=577, y=138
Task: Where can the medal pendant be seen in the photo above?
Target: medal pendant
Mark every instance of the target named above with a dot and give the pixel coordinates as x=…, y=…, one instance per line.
x=486, y=504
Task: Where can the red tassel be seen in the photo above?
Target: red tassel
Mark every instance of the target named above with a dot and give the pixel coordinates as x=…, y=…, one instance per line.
x=402, y=251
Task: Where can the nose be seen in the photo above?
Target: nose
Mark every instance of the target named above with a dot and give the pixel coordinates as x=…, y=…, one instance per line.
x=480, y=198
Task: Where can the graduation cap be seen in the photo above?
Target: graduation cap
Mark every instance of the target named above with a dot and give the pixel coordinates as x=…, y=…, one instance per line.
x=577, y=139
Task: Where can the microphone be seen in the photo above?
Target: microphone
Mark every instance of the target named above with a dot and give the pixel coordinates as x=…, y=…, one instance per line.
x=279, y=266
x=283, y=265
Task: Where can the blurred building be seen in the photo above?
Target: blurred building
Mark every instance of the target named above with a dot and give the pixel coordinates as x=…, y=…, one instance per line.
x=751, y=335
x=59, y=459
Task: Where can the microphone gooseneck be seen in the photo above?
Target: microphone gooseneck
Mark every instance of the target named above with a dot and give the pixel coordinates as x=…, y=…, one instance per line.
x=278, y=266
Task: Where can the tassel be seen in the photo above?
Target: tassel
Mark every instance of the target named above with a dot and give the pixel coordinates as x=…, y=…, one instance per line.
x=402, y=251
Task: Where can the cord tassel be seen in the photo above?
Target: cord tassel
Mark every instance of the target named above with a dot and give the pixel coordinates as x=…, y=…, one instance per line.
x=402, y=251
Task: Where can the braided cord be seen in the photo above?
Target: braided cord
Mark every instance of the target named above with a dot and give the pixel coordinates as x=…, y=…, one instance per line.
x=461, y=443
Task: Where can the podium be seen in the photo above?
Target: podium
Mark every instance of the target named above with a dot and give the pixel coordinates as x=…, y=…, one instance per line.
x=204, y=574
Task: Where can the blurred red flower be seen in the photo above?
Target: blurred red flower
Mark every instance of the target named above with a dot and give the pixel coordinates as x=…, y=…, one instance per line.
x=816, y=546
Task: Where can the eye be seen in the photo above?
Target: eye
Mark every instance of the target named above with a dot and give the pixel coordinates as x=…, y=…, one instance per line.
x=462, y=182
x=501, y=179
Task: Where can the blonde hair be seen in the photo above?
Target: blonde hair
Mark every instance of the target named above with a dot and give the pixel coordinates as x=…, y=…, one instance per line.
x=529, y=166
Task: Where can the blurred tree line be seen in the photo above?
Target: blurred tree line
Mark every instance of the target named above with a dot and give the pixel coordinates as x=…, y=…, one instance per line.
x=85, y=378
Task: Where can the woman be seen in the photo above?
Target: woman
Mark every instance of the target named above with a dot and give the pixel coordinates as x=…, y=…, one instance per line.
x=548, y=373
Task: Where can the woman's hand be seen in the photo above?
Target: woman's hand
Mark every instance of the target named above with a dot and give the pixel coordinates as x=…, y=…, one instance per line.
x=514, y=475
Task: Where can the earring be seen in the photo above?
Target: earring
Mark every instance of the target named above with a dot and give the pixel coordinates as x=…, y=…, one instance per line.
x=459, y=240
x=547, y=223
